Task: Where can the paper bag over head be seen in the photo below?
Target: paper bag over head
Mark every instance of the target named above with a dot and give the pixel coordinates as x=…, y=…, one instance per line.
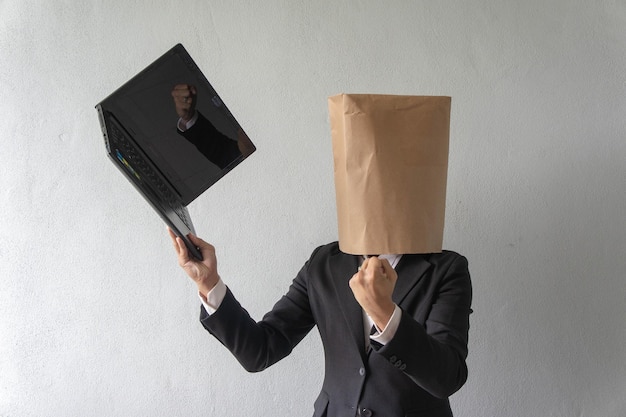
x=391, y=162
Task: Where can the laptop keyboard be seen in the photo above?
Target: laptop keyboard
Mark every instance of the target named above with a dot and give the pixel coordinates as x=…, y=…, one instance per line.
x=155, y=182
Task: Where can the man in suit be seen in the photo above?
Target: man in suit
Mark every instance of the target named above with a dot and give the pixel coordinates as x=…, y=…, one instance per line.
x=410, y=375
x=394, y=327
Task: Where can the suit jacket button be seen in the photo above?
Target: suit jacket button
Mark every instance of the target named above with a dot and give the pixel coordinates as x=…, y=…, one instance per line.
x=364, y=412
x=362, y=371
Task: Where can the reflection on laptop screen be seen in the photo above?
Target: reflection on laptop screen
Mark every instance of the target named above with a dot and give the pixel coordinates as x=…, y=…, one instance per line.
x=191, y=158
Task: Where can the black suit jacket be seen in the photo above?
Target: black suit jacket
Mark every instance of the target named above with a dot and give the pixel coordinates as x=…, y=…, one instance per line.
x=412, y=375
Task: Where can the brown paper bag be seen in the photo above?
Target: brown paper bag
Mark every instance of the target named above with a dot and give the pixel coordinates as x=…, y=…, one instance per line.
x=391, y=162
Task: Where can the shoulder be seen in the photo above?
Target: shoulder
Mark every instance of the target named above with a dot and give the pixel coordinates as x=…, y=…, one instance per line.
x=442, y=259
x=447, y=257
x=451, y=268
x=443, y=266
x=328, y=259
x=328, y=249
x=325, y=254
x=331, y=254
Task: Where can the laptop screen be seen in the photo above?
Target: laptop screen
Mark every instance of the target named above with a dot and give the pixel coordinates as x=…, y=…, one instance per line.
x=194, y=151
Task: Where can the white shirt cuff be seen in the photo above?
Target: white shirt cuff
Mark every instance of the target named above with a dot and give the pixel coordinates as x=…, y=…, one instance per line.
x=390, y=329
x=214, y=298
x=182, y=125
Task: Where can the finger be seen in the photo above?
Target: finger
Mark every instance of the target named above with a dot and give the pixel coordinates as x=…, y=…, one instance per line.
x=179, y=246
x=388, y=270
x=184, y=91
x=182, y=248
x=206, y=249
x=352, y=282
x=179, y=91
x=182, y=100
x=179, y=87
x=187, y=89
x=356, y=282
x=174, y=242
x=363, y=266
x=374, y=264
x=183, y=252
x=201, y=244
x=385, y=265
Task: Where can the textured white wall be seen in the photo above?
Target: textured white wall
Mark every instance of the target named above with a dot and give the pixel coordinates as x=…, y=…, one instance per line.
x=96, y=319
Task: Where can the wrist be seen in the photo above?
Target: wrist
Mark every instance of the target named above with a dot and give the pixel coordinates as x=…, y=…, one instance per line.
x=214, y=297
x=382, y=317
x=205, y=287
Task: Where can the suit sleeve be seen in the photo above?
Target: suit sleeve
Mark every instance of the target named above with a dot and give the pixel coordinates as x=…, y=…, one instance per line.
x=433, y=354
x=258, y=345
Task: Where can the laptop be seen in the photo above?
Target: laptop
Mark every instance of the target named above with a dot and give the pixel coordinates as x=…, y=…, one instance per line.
x=171, y=135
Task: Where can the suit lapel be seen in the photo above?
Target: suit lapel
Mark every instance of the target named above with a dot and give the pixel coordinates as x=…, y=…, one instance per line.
x=410, y=270
x=343, y=267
